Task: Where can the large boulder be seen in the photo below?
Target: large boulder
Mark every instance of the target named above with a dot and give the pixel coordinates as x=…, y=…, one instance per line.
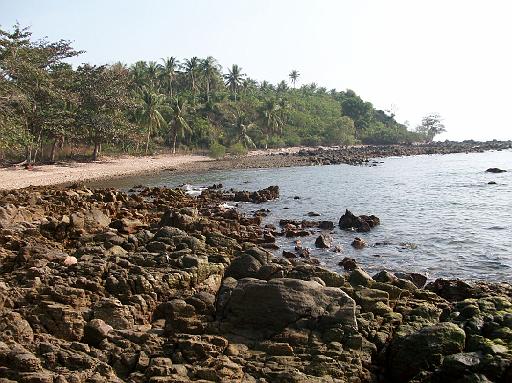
x=260, y=309
x=423, y=349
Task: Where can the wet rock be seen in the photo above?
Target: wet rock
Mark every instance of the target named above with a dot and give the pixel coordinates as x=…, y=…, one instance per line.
x=419, y=280
x=495, y=170
x=359, y=277
x=326, y=225
x=363, y=223
x=260, y=196
x=358, y=243
x=323, y=241
x=348, y=264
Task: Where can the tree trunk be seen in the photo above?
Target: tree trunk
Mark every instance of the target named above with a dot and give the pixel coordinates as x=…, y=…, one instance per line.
x=96, y=151
x=207, y=90
x=54, y=149
x=147, y=139
x=174, y=142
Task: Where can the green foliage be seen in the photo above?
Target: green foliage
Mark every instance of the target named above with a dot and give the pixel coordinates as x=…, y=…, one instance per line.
x=238, y=149
x=217, y=150
x=187, y=104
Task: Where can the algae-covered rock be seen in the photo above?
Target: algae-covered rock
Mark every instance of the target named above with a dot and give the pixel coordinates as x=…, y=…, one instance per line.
x=424, y=350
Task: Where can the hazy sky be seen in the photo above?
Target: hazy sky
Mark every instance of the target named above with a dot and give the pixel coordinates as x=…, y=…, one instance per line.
x=452, y=57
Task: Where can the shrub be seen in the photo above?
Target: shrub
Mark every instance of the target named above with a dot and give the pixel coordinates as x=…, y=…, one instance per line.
x=238, y=149
x=217, y=150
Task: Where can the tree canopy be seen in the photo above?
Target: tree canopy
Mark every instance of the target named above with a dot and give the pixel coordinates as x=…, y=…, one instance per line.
x=49, y=109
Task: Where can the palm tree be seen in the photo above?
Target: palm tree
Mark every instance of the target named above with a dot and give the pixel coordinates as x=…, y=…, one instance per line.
x=209, y=69
x=168, y=74
x=271, y=119
x=234, y=79
x=191, y=66
x=149, y=113
x=152, y=73
x=241, y=127
x=282, y=86
x=294, y=76
x=179, y=126
x=139, y=74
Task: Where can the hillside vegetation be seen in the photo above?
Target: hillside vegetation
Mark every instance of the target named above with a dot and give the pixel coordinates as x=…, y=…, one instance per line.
x=48, y=109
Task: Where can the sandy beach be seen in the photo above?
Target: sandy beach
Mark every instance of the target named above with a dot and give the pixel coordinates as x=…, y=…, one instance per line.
x=106, y=168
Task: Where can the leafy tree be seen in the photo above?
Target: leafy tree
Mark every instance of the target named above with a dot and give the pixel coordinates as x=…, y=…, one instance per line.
x=431, y=126
x=103, y=100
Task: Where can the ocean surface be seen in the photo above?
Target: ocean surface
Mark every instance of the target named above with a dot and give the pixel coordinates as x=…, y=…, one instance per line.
x=439, y=216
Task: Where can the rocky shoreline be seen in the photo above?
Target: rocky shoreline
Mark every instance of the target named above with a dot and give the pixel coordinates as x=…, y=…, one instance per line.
x=99, y=285
x=350, y=155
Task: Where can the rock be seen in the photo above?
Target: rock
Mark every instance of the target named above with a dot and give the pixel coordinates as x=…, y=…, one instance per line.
x=491, y=183
x=348, y=264
x=326, y=225
x=70, y=261
x=495, y=170
x=363, y=223
x=243, y=266
x=358, y=243
x=451, y=289
x=116, y=251
x=385, y=277
x=423, y=349
x=359, y=277
x=264, y=195
x=127, y=226
x=419, y=280
x=324, y=241
x=95, y=331
x=258, y=309
x=313, y=214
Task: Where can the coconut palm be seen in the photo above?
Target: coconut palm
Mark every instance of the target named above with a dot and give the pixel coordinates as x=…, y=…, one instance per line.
x=177, y=123
x=167, y=74
x=234, y=79
x=152, y=73
x=294, y=76
x=209, y=68
x=191, y=66
x=271, y=119
x=139, y=74
x=241, y=127
x=149, y=113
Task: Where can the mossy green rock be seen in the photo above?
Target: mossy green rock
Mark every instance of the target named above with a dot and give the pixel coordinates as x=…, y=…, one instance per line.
x=424, y=349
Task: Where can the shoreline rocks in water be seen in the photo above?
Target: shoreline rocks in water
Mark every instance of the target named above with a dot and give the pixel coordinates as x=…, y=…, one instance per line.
x=362, y=223
x=98, y=285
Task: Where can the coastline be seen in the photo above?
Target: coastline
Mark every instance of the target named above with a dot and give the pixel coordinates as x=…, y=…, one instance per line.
x=126, y=166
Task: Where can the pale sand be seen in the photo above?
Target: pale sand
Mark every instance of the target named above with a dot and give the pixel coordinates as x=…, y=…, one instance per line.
x=106, y=168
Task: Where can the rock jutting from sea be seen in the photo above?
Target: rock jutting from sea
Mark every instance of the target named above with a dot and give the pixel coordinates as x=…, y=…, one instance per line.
x=99, y=285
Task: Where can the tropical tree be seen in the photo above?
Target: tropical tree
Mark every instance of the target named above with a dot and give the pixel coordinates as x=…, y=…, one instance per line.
x=234, y=79
x=103, y=100
x=241, y=127
x=270, y=119
x=178, y=124
x=149, y=113
x=191, y=66
x=431, y=126
x=209, y=69
x=294, y=76
x=167, y=74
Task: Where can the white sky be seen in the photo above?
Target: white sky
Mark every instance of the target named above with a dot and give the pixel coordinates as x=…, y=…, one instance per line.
x=453, y=57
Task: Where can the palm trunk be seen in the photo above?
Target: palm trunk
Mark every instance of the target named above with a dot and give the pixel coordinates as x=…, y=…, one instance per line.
x=175, y=138
x=207, y=90
x=147, y=139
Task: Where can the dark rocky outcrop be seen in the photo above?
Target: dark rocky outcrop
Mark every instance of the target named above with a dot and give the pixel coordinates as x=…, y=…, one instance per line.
x=362, y=223
x=495, y=170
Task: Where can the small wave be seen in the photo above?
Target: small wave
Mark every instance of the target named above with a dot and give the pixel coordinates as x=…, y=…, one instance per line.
x=192, y=191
